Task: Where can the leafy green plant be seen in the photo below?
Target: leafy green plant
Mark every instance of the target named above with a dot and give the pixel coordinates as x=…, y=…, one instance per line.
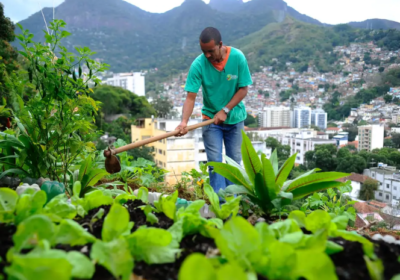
x=57, y=120
x=332, y=202
x=225, y=210
x=266, y=184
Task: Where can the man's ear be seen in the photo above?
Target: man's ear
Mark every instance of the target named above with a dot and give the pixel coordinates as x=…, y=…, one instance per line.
x=220, y=44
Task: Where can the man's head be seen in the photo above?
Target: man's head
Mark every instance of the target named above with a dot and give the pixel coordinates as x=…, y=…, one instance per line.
x=211, y=44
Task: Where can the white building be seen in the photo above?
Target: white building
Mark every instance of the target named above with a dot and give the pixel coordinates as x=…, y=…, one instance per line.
x=301, y=143
x=276, y=117
x=319, y=118
x=134, y=82
x=302, y=117
x=370, y=137
x=389, y=183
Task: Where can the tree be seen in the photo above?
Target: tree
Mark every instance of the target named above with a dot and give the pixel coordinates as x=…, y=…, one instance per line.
x=8, y=55
x=117, y=100
x=367, y=191
x=388, y=98
x=272, y=143
x=283, y=151
x=388, y=143
x=352, y=130
x=381, y=69
x=330, y=124
x=163, y=106
x=349, y=164
x=250, y=120
x=396, y=139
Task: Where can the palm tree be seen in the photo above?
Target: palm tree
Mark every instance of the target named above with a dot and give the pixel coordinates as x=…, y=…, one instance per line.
x=368, y=189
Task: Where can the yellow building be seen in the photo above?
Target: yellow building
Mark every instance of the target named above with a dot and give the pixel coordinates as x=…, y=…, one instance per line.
x=175, y=154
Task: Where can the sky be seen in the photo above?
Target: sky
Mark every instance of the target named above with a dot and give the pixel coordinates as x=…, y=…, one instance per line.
x=326, y=11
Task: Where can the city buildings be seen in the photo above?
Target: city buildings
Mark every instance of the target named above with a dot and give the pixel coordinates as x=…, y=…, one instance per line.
x=319, y=118
x=301, y=142
x=389, y=183
x=134, y=82
x=302, y=117
x=370, y=137
x=176, y=154
x=275, y=117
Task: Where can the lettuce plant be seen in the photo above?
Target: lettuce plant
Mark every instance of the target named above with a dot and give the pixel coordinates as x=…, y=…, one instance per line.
x=266, y=184
x=223, y=211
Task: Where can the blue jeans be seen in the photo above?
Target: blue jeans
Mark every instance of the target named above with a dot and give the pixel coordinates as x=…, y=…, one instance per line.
x=214, y=136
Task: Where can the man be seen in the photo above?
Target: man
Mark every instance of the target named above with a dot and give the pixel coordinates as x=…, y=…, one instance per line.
x=224, y=75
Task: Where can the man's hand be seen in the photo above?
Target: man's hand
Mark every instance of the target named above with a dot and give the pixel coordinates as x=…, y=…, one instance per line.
x=220, y=117
x=182, y=129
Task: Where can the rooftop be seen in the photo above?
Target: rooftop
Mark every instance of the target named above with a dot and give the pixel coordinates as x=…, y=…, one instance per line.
x=356, y=178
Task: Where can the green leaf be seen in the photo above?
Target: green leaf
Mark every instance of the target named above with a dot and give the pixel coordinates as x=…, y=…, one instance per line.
x=114, y=256
x=332, y=248
x=263, y=193
x=251, y=161
x=303, y=191
x=238, y=166
x=368, y=246
x=143, y=194
x=341, y=222
x=274, y=161
x=375, y=268
x=116, y=223
x=299, y=217
x=226, y=210
x=285, y=170
x=231, y=271
x=152, y=245
x=315, y=178
x=96, y=199
x=8, y=203
x=317, y=220
x=43, y=268
x=231, y=173
x=30, y=204
x=82, y=267
x=197, y=267
x=269, y=177
x=14, y=171
x=71, y=233
x=282, y=260
x=59, y=206
x=239, y=242
x=236, y=189
x=84, y=169
x=32, y=230
x=311, y=265
x=284, y=227
x=91, y=179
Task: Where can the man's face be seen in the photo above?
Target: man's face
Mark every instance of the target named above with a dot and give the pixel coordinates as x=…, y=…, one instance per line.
x=211, y=50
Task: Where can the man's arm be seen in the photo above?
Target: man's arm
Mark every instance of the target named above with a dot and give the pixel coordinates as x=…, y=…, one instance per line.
x=187, y=112
x=221, y=116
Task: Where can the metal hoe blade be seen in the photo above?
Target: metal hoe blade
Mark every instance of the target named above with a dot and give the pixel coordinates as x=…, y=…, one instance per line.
x=112, y=163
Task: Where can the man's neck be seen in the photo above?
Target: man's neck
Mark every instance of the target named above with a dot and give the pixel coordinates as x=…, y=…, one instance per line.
x=224, y=53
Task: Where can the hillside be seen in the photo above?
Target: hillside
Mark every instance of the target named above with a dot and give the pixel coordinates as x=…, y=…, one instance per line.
x=296, y=42
x=376, y=24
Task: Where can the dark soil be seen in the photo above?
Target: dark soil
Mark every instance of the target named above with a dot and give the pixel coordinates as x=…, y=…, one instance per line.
x=6, y=242
x=350, y=262
x=97, y=226
x=190, y=244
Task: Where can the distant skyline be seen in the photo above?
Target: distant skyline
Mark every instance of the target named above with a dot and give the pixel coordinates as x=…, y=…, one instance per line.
x=331, y=12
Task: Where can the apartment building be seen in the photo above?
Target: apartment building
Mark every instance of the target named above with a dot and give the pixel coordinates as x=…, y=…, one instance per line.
x=134, y=82
x=370, y=137
x=301, y=117
x=389, y=183
x=302, y=142
x=276, y=117
x=319, y=118
x=176, y=154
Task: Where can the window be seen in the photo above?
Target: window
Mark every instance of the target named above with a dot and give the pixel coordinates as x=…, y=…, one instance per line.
x=298, y=158
x=160, y=151
x=202, y=151
x=387, y=197
x=380, y=194
x=164, y=153
x=388, y=186
x=394, y=197
x=395, y=188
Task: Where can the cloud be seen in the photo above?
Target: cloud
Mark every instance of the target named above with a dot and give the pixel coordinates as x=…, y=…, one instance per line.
x=19, y=10
x=332, y=12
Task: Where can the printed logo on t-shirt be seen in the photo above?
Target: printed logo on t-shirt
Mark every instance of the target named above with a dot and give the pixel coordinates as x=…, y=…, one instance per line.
x=231, y=77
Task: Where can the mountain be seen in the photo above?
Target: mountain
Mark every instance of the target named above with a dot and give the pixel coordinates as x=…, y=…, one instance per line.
x=129, y=38
x=376, y=24
x=279, y=7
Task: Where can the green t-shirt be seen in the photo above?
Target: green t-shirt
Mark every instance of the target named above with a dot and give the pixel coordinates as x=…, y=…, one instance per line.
x=219, y=87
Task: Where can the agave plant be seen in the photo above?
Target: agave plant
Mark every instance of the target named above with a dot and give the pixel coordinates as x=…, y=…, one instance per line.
x=266, y=184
